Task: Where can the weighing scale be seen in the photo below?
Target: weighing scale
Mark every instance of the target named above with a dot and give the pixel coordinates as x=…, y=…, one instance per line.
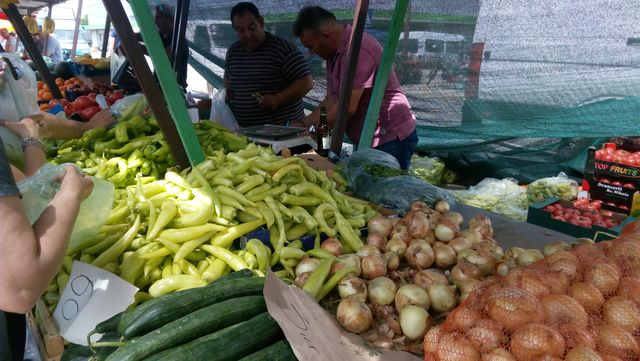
x=277, y=137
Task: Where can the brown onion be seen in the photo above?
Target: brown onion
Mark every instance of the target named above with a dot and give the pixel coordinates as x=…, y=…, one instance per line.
x=625, y=251
x=528, y=280
x=333, y=246
x=483, y=259
x=490, y=246
x=564, y=262
x=498, y=354
x=486, y=335
x=397, y=246
x=587, y=295
x=445, y=231
x=441, y=297
x=442, y=206
x=605, y=276
x=473, y=235
x=350, y=260
x=466, y=288
x=513, y=252
x=557, y=282
x=563, y=309
x=460, y=243
x=514, y=307
x=445, y=256
x=464, y=271
x=377, y=240
x=411, y=295
x=623, y=312
x=432, y=339
x=382, y=291
x=529, y=256
x=582, y=353
x=453, y=217
x=482, y=224
x=374, y=266
x=630, y=288
x=575, y=335
x=352, y=286
x=534, y=340
x=614, y=340
x=554, y=247
x=380, y=225
x=366, y=250
x=417, y=224
x=463, y=318
x=307, y=265
x=354, y=315
x=392, y=259
x=400, y=232
x=419, y=206
x=428, y=277
x=420, y=255
x=501, y=268
x=456, y=347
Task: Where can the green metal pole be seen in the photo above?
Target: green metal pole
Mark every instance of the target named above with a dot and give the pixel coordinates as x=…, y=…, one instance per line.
x=172, y=93
x=388, y=55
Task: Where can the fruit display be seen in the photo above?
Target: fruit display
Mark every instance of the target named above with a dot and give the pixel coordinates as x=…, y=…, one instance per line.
x=621, y=156
x=561, y=186
x=584, y=214
x=503, y=196
x=96, y=63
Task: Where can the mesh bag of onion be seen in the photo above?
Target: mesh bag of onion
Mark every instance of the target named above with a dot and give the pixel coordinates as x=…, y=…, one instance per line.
x=576, y=305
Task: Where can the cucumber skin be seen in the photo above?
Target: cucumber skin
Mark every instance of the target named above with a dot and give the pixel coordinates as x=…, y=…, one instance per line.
x=196, y=324
x=162, y=310
x=229, y=344
x=279, y=351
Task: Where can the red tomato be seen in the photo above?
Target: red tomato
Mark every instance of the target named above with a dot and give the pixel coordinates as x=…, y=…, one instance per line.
x=559, y=218
x=64, y=102
x=608, y=157
x=623, y=206
x=89, y=112
x=92, y=96
x=605, y=180
x=599, y=153
x=584, y=221
x=83, y=102
x=616, y=183
x=606, y=213
x=549, y=208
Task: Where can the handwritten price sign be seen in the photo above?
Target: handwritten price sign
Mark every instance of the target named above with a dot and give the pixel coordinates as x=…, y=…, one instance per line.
x=91, y=296
x=313, y=333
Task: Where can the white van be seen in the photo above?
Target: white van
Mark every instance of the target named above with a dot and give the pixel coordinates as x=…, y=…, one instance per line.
x=556, y=53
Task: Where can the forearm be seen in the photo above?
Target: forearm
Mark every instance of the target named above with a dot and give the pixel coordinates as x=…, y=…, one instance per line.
x=295, y=91
x=58, y=128
x=34, y=159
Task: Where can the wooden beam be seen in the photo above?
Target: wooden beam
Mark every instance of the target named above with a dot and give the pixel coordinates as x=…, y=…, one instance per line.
x=134, y=53
x=105, y=37
x=346, y=83
x=382, y=75
x=76, y=28
x=31, y=48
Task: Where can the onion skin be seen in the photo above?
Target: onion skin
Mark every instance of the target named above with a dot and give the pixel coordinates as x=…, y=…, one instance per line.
x=514, y=307
x=366, y=250
x=605, y=276
x=380, y=225
x=352, y=286
x=577, y=336
x=420, y=255
x=557, y=282
x=486, y=335
x=454, y=217
x=535, y=340
x=428, y=277
x=473, y=235
x=377, y=240
x=411, y=295
x=483, y=225
x=630, y=288
x=462, y=318
x=446, y=230
x=307, y=265
x=581, y=353
x=392, y=259
x=498, y=354
x=397, y=246
x=460, y=243
x=623, y=312
x=615, y=341
x=564, y=262
x=377, y=288
x=528, y=280
x=587, y=295
x=417, y=224
x=445, y=255
x=333, y=246
x=483, y=260
x=374, y=266
x=456, y=347
x=441, y=297
x=563, y=309
x=431, y=339
x=419, y=206
x=464, y=271
x=554, y=247
x=442, y=206
x=354, y=315
x=400, y=232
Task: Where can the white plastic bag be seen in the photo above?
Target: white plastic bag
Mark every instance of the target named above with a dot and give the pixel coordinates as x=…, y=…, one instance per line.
x=18, y=97
x=221, y=113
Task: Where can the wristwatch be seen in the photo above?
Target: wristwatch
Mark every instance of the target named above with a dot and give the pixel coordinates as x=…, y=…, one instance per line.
x=31, y=141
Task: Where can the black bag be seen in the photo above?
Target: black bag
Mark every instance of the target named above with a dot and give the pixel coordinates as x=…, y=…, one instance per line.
x=126, y=78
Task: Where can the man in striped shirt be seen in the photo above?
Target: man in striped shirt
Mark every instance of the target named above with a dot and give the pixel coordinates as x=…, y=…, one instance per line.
x=265, y=76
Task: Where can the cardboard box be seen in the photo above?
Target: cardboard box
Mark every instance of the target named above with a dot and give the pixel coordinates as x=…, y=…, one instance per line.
x=536, y=215
x=625, y=173
x=615, y=194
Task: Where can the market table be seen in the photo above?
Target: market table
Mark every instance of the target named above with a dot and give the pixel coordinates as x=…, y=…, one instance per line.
x=512, y=233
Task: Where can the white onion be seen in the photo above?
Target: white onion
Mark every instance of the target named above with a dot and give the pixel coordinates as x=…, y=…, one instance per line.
x=345, y=260
x=441, y=297
x=528, y=257
x=442, y=206
x=414, y=322
x=555, y=246
x=473, y=235
x=333, y=246
x=411, y=295
x=483, y=260
x=428, y=277
x=366, y=250
x=419, y=255
x=393, y=260
x=352, y=286
x=374, y=266
x=453, y=217
x=377, y=240
x=464, y=271
x=354, y=315
x=445, y=231
x=445, y=255
x=460, y=243
x=307, y=265
x=380, y=224
x=382, y=291
x=397, y=246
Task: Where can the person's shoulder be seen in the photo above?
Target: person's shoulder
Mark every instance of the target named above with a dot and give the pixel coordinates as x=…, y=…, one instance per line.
x=281, y=42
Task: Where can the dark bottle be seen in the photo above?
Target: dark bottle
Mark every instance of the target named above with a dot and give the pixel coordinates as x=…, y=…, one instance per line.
x=322, y=134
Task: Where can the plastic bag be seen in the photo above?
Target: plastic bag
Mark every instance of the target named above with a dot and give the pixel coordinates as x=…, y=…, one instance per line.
x=396, y=193
x=430, y=169
x=37, y=191
x=561, y=186
x=221, y=113
x=129, y=106
x=17, y=96
x=502, y=196
x=115, y=62
x=12, y=147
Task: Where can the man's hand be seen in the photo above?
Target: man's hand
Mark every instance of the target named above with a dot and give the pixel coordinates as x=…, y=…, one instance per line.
x=101, y=119
x=26, y=128
x=268, y=102
x=74, y=181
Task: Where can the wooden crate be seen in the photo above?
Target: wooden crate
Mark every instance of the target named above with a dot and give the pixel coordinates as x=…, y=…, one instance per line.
x=44, y=330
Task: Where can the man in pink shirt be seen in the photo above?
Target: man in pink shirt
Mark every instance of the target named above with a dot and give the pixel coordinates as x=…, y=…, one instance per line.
x=395, y=131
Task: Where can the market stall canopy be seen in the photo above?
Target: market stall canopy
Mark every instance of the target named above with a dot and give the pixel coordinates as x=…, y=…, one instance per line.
x=30, y=6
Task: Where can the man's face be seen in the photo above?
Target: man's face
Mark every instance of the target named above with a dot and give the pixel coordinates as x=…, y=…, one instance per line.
x=318, y=42
x=4, y=33
x=249, y=30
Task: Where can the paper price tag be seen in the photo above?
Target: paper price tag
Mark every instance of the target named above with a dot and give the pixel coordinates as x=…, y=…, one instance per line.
x=313, y=333
x=91, y=296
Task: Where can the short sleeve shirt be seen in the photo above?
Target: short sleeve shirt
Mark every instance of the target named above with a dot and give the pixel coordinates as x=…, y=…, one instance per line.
x=395, y=120
x=267, y=70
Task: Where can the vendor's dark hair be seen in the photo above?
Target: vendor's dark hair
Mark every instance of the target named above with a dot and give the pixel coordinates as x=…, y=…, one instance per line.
x=244, y=7
x=312, y=17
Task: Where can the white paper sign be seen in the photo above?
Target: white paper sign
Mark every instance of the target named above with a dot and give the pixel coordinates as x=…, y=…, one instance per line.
x=313, y=333
x=91, y=296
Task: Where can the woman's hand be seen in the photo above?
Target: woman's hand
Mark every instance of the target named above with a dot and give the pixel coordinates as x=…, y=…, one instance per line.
x=101, y=119
x=26, y=128
x=75, y=181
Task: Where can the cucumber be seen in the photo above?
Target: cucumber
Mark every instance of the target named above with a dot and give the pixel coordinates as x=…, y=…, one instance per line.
x=108, y=325
x=74, y=351
x=159, y=311
x=196, y=324
x=229, y=344
x=279, y=351
x=101, y=353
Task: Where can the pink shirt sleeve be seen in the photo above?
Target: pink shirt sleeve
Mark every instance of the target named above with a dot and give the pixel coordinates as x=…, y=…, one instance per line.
x=366, y=70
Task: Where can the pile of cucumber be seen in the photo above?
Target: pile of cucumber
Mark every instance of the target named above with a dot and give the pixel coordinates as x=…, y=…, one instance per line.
x=225, y=320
